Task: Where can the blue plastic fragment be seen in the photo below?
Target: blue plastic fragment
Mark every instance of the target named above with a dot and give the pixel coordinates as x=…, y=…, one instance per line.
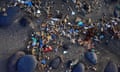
x=80, y=23
x=43, y=61
x=41, y=43
x=29, y=3
x=53, y=36
x=34, y=41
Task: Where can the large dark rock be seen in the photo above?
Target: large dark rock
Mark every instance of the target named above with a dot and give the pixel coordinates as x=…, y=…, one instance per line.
x=12, y=62
x=11, y=16
x=91, y=57
x=78, y=68
x=111, y=67
x=55, y=62
x=26, y=63
x=116, y=11
x=118, y=69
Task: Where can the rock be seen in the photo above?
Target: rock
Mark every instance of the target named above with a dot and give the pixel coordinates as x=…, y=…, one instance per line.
x=91, y=57
x=10, y=16
x=118, y=69
x=111, y=67
x=12, y=62
x=78, y=68
x=26, y=63
x=55, y=63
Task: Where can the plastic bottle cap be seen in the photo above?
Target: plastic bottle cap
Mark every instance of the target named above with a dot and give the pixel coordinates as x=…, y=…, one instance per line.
x=38, y=11
x=73, y=13
x=65, y=52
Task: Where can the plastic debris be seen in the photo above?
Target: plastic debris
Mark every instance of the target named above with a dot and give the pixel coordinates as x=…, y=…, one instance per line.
x=80, y=23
